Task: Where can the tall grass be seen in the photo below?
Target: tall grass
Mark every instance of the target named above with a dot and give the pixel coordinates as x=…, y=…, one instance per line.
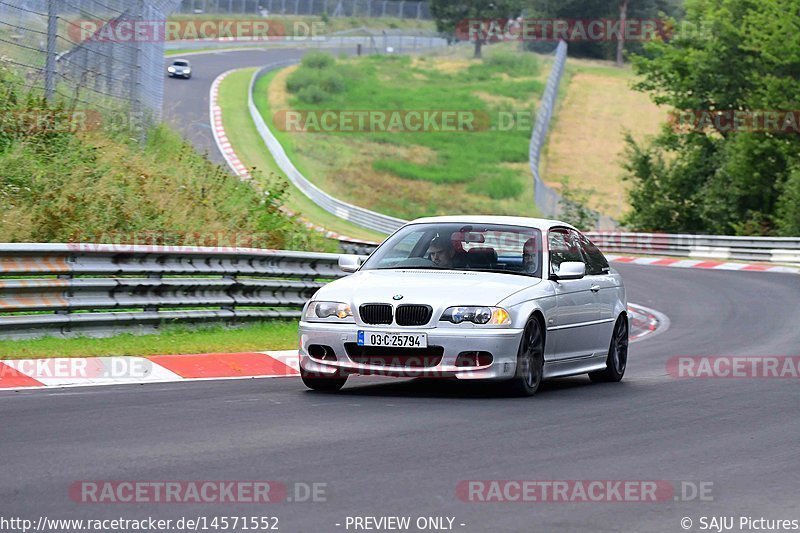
x=61, y=184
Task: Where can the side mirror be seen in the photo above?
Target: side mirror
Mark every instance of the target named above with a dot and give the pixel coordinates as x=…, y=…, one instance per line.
x=350, y=263
x=570, y=270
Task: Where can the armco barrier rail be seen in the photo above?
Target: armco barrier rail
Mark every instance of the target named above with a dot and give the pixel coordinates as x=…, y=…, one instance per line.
x=357, y=215
x=102, y=289
x=766, y=249
x=96, y=289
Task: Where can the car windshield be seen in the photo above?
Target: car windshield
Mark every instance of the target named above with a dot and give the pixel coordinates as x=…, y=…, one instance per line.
x=469, y=247
x=181, y=64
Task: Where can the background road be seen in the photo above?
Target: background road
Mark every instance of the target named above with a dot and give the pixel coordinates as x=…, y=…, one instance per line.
x=401, y=447
x=186, y=101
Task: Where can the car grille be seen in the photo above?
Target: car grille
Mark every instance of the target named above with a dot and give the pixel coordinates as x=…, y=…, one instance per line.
x=395, y=357
x=376, y=313
x=413, y=315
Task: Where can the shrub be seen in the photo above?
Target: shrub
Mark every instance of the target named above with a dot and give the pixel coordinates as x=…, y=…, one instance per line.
x=318, y=60
x=312, y=94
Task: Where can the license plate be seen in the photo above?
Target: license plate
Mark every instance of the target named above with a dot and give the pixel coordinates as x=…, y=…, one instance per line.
x=393, y=340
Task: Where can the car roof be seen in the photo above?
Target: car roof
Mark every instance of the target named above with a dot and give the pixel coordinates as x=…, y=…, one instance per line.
x=539, y=223
x=181, y=60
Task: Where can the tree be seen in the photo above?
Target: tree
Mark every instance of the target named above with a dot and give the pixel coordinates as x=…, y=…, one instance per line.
x=603, y=9
x=451, y=15
x=738, y=58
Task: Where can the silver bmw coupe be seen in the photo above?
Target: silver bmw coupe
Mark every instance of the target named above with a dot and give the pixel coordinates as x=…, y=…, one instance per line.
x=470, y=297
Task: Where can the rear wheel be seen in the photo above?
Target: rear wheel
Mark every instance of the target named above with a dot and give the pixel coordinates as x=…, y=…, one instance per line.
x=320, y=382
x=617, y=359
x=530, y=360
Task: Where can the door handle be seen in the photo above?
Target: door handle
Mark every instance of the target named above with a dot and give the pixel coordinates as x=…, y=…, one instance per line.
x=595, y=288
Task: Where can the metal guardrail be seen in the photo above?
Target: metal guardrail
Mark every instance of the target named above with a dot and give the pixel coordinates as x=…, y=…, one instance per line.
x=357, y=215
x=765, y=249
x=547, y=200
x=101, y=289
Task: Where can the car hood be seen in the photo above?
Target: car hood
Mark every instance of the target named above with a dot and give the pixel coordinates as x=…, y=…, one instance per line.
x=438, y=288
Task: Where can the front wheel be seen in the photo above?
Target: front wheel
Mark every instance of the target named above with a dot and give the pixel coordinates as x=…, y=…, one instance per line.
x=617, y=359
x=320, y=382
x=530, y=360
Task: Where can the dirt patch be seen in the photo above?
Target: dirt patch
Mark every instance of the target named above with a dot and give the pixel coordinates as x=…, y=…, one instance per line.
x=278, y=95
x=587, y=144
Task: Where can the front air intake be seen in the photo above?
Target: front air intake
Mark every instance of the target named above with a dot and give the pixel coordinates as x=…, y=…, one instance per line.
x=376, y=313
x=413, y=315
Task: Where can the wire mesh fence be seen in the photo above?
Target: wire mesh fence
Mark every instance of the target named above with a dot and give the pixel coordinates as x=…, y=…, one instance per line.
x=64, y=49
x=403, y=9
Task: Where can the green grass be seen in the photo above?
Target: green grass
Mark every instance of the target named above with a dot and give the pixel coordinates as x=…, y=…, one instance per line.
x=100, y=185
x=273, y=335
x=412, y=174
x=251, y=150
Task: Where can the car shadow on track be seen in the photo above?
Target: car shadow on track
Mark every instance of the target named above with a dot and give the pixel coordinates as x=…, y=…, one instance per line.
x=447, y=388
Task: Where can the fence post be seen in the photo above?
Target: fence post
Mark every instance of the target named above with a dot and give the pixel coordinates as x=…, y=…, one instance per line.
x=402, y=5
x=137, y=90
x=50, y=64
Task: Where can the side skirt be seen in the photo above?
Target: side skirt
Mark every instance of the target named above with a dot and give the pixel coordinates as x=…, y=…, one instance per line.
x=572, y=367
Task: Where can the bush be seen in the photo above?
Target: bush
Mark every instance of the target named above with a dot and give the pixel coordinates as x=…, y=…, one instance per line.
x=318, y=60
x=312, y=94
x=316, y=80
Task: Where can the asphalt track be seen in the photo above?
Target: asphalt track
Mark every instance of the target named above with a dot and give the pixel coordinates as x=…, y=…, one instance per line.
x=400, y=448
x=186, y=101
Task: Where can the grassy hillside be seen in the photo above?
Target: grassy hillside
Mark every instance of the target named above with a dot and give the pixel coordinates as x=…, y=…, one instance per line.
x=411, y=173
x=586, y=141
x=60, y=184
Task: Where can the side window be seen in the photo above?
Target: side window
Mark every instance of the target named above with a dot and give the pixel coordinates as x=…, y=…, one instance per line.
x=596, y=263
x=564, y=246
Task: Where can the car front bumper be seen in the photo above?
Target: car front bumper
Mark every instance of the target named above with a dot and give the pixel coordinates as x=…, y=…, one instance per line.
x=502, y=343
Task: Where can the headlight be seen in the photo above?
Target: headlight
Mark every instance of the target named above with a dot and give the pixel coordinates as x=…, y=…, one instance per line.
x=187, y=71
x=324, y=310
x=171, y=69
x=494, y=316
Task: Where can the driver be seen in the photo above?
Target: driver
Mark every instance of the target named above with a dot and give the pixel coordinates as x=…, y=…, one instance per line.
x=442, y=252
x=530, y=256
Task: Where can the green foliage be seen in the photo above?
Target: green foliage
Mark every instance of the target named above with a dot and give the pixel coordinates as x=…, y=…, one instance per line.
x=59, y=184
x=574, y=206
x=450, y=13
x=599, y=9
x=318, y=60
x=717, y=180
x=317, y=79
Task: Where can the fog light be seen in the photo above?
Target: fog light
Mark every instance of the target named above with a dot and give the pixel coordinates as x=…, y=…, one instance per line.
x=474, y=359
x=323, y=353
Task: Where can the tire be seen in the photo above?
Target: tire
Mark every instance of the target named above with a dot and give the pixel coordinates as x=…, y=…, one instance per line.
x=530, y=360
x=317, y=382
x=617, y=360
